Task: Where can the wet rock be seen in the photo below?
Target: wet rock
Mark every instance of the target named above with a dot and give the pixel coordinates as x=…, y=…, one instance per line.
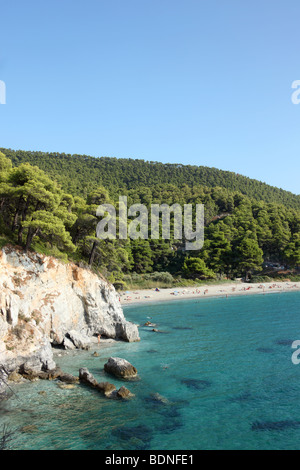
x=35, y=374
x=86, y=377
x=54, y=373
x=106, y=388
x=68, y=378
x=148, y=323
x=120, y=368
x=15, y=377
x=124, y=393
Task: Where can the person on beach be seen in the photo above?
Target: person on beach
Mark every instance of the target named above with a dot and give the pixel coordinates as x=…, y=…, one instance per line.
x=99, y=336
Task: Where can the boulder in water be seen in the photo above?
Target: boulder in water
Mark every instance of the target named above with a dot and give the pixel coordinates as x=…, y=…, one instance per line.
x=120, y=368
x=86, y=377
x=124, y=393
x=106, y=388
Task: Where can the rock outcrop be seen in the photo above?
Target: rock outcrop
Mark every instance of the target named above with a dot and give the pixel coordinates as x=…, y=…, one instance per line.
x=120, y=368
x=45, y=303
x=108, y=389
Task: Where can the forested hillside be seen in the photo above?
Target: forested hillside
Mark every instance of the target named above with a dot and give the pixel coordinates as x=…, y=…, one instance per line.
x=48, y=203
x=81, y=174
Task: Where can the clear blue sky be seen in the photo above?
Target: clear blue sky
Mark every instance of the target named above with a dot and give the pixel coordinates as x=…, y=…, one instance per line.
x=205, y=82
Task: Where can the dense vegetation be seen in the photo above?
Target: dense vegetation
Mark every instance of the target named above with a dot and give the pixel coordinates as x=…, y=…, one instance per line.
x=81, y=174
x=48, y=203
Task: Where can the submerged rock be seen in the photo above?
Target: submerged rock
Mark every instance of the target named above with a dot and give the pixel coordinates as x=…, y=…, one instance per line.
x=196, y=384
x=285, y=342
x=140, y=431
x=31, y=428
x=265, y=350
x=242, y=397
x=182, y=328
x=275, y=425
x=158, y=398
x=120, y=368
x=66, y=386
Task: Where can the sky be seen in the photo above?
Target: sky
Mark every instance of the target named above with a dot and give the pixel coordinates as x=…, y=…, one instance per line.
x=199, y=82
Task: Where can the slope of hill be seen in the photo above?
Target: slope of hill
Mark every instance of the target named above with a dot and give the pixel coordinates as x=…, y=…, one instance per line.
x=247, y=223
x=81, y=174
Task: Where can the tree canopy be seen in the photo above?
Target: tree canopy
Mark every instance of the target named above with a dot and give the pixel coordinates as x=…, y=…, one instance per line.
x=49, y=202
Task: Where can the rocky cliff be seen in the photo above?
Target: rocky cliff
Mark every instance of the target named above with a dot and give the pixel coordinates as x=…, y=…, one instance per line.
x=44, y=302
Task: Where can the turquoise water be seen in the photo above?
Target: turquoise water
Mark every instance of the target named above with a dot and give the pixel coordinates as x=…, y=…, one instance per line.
x=223, y=365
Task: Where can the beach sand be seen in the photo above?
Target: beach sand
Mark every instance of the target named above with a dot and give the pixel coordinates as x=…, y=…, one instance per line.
x=209, y=290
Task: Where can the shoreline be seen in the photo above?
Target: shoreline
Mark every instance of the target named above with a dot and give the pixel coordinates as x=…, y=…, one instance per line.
x=142, y=296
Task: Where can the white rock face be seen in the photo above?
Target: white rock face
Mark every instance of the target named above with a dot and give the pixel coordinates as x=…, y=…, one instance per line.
x=43, y=301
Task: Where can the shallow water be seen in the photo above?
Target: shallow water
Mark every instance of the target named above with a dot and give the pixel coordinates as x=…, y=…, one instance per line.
x=223, y=367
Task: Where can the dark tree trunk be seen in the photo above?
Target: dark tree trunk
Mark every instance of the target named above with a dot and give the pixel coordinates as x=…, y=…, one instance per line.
x=15, y=219
x=31, y=233
x=93, y=252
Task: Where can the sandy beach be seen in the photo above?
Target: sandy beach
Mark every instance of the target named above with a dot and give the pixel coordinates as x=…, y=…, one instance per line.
x=209, y=290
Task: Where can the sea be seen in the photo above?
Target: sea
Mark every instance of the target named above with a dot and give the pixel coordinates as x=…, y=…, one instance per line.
x=216, y=375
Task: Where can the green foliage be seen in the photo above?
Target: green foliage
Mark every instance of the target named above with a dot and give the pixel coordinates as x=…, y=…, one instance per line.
x=82, y=174
x=250, y=255
x=48, y=203
x=196, y=268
